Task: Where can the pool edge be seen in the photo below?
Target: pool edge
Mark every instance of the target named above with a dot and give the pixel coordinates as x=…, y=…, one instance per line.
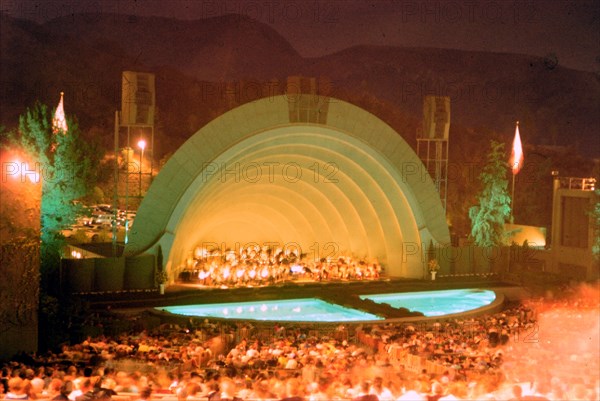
x=495, y=306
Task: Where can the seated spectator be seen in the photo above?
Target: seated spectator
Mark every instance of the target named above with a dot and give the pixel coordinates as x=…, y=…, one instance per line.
x=57, y=390
x=145, y=394
x=228, y=390
x=293, y=390
x=87, y=391
x=16, y=389
x=382, y=393
x=363, y=393
x=412, y=392
x=437, y=392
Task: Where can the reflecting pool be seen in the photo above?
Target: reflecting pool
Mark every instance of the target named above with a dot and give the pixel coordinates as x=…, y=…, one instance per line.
x=304, y=310
x=436, y=303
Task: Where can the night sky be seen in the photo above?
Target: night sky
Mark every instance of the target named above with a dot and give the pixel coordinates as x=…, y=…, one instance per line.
x=568, y=31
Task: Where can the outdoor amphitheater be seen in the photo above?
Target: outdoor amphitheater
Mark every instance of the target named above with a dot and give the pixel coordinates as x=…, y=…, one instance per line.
x=302, y=253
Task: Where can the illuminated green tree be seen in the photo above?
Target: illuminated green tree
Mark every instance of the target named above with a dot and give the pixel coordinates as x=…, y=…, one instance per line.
x=492, y=212
x=66, y=164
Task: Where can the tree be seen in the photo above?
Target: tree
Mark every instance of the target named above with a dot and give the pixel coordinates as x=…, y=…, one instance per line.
x=160, y=274
x=66, y=164
x=95, y=196
x=492, y=212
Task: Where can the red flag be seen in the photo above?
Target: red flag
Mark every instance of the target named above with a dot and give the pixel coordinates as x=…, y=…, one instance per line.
x=516, y=155
x=59, y=123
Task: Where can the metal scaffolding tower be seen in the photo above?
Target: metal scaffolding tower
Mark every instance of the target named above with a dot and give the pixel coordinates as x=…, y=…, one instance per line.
x=135, y=122
x=432, y=142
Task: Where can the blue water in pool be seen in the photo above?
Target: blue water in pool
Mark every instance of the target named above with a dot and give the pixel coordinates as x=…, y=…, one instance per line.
x=437, y=303
x=304, y=310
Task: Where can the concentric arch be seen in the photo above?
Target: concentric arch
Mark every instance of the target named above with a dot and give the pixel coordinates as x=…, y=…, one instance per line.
x=349, y=185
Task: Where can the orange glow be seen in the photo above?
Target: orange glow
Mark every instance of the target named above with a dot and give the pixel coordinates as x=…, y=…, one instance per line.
x=535, y=236
x=565, y=339
x=17, y=167
x=20, y=192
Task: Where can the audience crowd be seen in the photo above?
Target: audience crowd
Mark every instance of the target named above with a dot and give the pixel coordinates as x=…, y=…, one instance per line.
x=502, y=356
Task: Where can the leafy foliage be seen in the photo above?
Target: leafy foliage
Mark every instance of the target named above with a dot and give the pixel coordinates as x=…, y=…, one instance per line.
x=433, y=265
x=160, y=274
x=66, y=163
x=493, y=210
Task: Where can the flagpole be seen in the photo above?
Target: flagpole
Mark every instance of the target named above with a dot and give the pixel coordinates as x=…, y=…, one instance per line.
x=116, y=187
x=512, y=200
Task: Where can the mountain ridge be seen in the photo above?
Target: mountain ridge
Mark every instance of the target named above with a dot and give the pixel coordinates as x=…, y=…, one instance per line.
x=87, y=52
x=204, y=68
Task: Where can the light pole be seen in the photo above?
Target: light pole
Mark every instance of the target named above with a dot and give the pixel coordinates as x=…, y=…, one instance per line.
x=142, y=145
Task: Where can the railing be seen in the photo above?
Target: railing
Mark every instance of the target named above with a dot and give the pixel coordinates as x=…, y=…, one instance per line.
x=486, y=275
